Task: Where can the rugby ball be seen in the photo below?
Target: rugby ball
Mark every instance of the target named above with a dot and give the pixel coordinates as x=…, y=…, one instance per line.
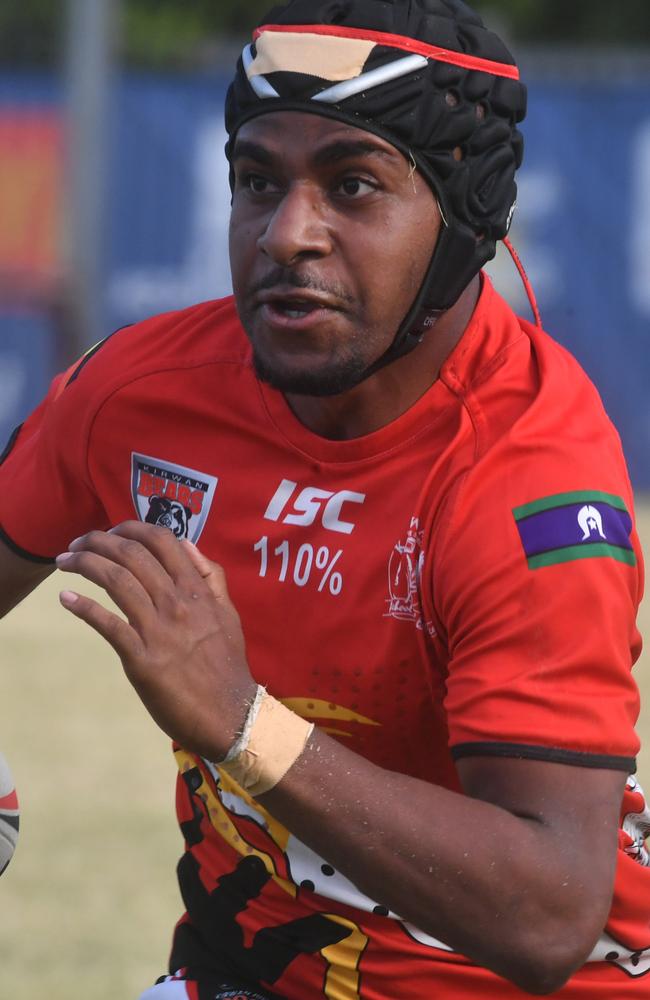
x=9, y=815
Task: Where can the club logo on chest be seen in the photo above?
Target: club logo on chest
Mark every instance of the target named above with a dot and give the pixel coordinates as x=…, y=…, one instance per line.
x=171, y=496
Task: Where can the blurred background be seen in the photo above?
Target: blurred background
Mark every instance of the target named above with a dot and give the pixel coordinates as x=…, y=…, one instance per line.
x=113, y=206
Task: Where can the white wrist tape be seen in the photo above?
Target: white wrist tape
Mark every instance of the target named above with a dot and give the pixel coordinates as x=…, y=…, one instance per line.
x=272, y=739
x=241, y=742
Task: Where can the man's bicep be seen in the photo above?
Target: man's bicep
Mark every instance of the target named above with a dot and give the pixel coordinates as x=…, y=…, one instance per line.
x=574, y=812
x=552, y=793
x=576, y=808
x=18, y=576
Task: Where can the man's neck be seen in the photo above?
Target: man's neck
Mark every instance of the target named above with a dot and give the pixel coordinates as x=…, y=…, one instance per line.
x=391, y=391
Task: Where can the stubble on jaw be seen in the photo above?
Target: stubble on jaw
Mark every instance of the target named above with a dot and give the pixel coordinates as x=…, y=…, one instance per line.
x=336, y=377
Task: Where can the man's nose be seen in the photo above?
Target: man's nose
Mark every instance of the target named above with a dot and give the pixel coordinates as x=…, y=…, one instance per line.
x=297, y=229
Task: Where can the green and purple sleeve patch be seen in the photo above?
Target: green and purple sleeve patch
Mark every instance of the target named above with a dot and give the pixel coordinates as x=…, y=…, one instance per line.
x=569, y=526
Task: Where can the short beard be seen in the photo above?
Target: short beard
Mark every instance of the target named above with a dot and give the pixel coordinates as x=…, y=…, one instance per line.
x=330, y=382
x=339, y=376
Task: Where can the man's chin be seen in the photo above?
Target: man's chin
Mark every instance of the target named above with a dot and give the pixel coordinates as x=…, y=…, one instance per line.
x=330, y=381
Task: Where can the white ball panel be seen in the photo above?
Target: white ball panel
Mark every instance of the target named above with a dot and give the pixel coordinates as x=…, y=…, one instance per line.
x=9, y=814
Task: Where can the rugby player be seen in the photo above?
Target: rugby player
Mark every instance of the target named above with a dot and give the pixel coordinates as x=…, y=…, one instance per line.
x=373, y=538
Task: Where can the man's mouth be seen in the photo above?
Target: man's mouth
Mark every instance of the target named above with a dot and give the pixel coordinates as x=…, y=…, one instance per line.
x=293, y=308
x=296, y=303
x=297, y=311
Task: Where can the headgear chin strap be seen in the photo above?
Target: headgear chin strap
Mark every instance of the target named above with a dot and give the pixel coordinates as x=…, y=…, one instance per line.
x=427, y=76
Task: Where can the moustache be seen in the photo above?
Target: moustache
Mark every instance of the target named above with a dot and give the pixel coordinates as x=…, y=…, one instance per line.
x=282, y=276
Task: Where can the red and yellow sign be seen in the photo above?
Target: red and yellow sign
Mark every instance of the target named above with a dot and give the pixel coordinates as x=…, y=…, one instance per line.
x=31, y=175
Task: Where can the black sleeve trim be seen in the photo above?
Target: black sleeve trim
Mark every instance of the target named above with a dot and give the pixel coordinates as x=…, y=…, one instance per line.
x=10, y=443
x=23, y=553
x=91, y=354
x=578, y=758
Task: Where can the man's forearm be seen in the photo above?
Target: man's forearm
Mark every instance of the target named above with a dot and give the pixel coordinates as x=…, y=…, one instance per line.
x=504, y=890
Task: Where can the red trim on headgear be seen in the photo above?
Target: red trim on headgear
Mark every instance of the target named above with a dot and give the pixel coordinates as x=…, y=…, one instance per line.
x=398, y=42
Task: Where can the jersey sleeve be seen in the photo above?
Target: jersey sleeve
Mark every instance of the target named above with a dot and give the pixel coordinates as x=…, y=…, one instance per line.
x=537, y=578
x=46, y=493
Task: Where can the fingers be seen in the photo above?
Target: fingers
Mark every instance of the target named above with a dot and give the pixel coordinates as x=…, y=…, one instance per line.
x=211, y=572
x=133, y=556
x=124, y=589
x=142, y=566
x=113, y=629
x=162, y=544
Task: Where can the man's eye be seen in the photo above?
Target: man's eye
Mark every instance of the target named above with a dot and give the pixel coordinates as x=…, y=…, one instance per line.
x=356, y=187
x=257, y=184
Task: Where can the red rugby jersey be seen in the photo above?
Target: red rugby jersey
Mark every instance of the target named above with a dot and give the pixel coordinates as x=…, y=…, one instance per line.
x=464, y=580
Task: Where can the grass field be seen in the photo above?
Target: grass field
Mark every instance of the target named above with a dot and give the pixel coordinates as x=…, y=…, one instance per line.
x=89, y=902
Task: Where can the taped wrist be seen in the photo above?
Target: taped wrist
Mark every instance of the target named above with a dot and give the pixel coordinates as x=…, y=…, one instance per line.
x=272, y=739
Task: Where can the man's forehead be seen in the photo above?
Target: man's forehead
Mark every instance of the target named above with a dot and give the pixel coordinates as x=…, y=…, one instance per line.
x=275, y=129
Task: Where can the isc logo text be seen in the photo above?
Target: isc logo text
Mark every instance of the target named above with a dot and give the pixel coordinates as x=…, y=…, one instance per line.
x=309, y=503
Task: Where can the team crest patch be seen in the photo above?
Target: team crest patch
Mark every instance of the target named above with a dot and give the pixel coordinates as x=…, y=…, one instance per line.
x=404, y=573
x=171, y=495
x=580, y=525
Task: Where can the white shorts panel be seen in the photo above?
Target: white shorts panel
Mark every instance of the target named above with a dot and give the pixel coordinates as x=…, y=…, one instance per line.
x=166, y=991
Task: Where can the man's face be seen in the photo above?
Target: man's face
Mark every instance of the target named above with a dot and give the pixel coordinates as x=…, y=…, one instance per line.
x=331, y=234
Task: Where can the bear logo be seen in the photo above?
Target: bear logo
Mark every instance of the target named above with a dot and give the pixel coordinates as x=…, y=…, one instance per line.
x=169, y=514
x=173, y=496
